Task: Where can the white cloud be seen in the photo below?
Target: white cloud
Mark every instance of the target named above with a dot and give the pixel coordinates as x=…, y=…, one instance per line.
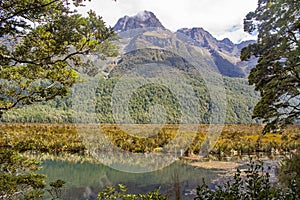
x=216, y=16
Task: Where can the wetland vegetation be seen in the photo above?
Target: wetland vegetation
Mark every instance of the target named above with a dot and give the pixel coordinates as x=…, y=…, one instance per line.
x=55, y=138
x=64, y=153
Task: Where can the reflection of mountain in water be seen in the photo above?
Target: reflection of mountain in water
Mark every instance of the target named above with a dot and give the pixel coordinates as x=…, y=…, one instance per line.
x=85, y=179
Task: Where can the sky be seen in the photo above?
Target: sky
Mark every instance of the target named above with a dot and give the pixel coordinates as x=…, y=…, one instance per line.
x=222, y=18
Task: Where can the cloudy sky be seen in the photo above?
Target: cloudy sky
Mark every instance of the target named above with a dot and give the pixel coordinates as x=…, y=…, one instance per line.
x=222, y=18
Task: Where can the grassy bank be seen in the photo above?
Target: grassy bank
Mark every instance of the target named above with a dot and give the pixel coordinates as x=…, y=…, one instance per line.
x=55, y=138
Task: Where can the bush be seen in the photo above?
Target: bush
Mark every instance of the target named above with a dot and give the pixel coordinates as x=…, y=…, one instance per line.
x=289, y=170
x=253, y=183
x=120, y=192
x=18, y=179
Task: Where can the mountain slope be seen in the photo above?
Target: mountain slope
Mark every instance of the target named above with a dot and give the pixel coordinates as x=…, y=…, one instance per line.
x=210, y=69
x=224, y=52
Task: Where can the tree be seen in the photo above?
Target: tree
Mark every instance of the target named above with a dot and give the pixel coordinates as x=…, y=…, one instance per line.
x=277, y=73
x=43, y=45
x=289, y=170
x=17, y=177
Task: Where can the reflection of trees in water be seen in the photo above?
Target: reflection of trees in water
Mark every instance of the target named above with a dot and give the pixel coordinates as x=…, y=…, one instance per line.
x=136, y=152
x=96, y=176
x=125, y=160
x=174, y=188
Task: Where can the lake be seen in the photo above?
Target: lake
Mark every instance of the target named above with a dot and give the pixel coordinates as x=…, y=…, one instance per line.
x=81, y=154
x=85, y=179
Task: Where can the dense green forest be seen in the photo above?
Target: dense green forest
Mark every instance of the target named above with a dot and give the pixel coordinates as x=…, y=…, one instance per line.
x=91, y=101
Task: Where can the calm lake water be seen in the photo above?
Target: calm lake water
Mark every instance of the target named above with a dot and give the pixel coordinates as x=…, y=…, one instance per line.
x=85, y=180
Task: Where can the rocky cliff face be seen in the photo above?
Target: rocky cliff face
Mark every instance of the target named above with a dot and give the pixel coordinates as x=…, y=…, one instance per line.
x=147, y=19
x=224, y=53
x=144, y=19
x=205, y=39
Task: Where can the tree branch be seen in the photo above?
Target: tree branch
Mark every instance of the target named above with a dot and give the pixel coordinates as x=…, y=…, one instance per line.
x=34, y=7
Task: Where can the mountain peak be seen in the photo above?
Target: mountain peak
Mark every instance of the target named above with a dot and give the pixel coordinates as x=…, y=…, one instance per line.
x=200, y=35
x=144, y=15
x=144, y=19
x=227, y=41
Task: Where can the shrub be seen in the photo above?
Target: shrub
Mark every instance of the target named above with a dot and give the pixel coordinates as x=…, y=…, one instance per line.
x=290, y=171
x=255, y=184
x=120, y=192
x=18, y=179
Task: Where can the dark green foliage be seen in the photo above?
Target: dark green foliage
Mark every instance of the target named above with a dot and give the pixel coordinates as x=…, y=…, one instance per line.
x=18, y=179
x=120, y=192
x=277, y=73
x=42, y=44
x=56, y=189
x=253, y=183
x=156, y=93
x=103, y=101
x=139, y=104
x=289, y=170
x=241, y=98
x=148, y=96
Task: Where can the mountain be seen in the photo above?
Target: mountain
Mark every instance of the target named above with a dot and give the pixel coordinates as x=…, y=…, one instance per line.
x=224, y=52
x=193, y=53
x=205, y=39
x=144, y=19
x=189, y=70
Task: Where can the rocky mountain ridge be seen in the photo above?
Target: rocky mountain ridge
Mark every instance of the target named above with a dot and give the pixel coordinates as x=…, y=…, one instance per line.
x=225, y=53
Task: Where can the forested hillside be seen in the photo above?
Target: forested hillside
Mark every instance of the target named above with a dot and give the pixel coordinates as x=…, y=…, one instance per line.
x=241, y=100
x=191, y=56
